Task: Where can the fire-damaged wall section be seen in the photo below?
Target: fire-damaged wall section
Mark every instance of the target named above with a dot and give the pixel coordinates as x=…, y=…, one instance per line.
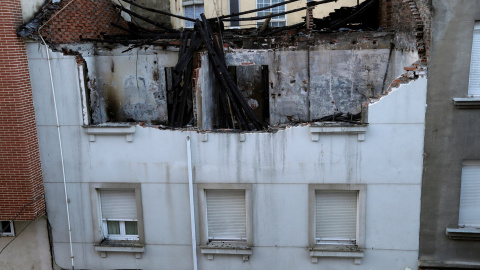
x=336, y=73
x=126, y=86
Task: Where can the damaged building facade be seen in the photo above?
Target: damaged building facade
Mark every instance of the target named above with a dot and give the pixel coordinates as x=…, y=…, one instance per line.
x=230, y=149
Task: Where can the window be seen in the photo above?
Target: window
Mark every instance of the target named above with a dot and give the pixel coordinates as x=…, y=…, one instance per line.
x=336, y=217
x=469, y=214
x=234, y=8
x=6, y=228
x=474, y=79
x=192, y=11
x=225, y=215
x=119, y=214
x=275, y=21
x=337, y=221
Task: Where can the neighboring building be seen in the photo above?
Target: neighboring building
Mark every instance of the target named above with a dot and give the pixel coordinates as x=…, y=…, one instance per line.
x=23, y=225
x=450, y=216
x=212, y=9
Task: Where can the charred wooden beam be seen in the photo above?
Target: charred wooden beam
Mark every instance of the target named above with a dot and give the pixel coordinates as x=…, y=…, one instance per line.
x=217, y=56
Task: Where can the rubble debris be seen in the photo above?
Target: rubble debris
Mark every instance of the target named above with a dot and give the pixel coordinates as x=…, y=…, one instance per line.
x=341, y=117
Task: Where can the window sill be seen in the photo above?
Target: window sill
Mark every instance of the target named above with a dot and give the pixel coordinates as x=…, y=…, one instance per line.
x=337, y=128
x=120, y=246
x=126, y=130
x=337, y=251
x=463, y=233
x=467, y=103
x=223, y=248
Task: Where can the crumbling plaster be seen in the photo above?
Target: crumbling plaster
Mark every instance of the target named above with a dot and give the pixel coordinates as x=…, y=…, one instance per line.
x=305, y=82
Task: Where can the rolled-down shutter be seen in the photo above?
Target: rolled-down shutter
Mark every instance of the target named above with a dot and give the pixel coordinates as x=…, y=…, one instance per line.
x=118, y=204
x=470, y=197
x=226, y=218
x=474, y=79
x=335, y=215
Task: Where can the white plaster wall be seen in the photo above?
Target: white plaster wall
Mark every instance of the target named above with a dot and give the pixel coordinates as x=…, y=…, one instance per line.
x=279, y=166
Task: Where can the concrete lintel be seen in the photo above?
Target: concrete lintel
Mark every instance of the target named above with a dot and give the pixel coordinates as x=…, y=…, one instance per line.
x=113, y=130
x=210, y=252
x=467, y=103
x=357, y=256
x=463, y=233
x=317, y=130
x=137, y=250
x=226, y=251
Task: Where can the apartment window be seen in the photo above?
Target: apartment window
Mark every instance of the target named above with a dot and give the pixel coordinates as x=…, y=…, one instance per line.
x=234, y=8
x=337, y=221
x=469, y=212
x=192, y=10
x=275, y=21
x=119, y=214
x=474, y=79
x=225, y=215
x=336, y=217
x=6, y=228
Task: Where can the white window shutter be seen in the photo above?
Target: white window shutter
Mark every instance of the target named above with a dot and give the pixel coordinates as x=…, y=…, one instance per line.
x=470, y=197
x=336, y=215
x=226, y=218
x=118, y=204
x=474, y=79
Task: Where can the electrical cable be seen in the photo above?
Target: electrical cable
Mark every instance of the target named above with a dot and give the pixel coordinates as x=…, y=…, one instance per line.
x=18, y=234
x=23, y=208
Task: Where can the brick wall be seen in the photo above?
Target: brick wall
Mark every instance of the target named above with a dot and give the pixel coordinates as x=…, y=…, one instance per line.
x=80, y=19
x=409, y=16
x=20, y=170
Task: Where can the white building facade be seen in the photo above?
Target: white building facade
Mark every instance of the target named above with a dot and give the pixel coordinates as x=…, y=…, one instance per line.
x=308, y=196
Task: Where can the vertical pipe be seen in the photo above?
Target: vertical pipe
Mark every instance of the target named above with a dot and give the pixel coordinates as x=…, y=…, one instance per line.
x=192, y=209
x=58, y=131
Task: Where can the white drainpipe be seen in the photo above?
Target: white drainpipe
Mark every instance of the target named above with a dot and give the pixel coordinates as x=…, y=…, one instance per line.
x=58, y=132
x=192, y=209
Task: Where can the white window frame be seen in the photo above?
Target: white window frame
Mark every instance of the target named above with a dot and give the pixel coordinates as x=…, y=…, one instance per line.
x=210, y=247
x=101, y=223
x=202, y=188
x=337, y=248
x=122, y=235
x=475, y=61
x=467, y=187
x=12, y=229
x=272, y=20
x=465, y=231
x=190, y=3
x=337, y=241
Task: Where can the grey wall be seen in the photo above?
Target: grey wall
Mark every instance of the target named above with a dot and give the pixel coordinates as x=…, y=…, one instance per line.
x=451, y=134
x=30, y=250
